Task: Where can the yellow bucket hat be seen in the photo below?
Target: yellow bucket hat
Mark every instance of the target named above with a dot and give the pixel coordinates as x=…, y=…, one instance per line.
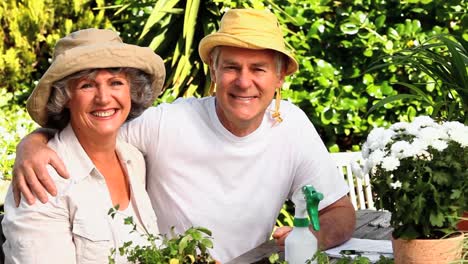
x=93, y=49
x=250, y=29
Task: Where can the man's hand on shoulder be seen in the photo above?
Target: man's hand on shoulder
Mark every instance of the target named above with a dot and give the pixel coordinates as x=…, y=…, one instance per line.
x=30, y=176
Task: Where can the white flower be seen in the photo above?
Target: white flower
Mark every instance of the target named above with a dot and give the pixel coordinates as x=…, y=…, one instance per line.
x=457, y=132
x=365, y=151
x=423, y=121
x=357, y=170
x=400, y=126
x=401, y=149
x=378, y=138
x=452, y=125
x=417, y=146
x=429, y=134
x=374, y=159
x=390, y=163
x=395, y=185
x=440, y=145
x=461, y=137
x=412, y=129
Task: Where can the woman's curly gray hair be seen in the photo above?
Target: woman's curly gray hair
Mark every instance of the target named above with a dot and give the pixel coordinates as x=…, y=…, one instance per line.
x=141, y=94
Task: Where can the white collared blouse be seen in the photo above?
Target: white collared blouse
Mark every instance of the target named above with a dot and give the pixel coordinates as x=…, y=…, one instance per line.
x=74, y=226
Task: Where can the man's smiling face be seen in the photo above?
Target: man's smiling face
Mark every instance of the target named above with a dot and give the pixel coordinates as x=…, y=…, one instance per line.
x=246, y=80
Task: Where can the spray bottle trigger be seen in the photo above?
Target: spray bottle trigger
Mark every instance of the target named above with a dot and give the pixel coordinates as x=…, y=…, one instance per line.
x=312, y=198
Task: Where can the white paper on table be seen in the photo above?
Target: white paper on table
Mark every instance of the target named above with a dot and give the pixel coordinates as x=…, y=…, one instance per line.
x=372, y=249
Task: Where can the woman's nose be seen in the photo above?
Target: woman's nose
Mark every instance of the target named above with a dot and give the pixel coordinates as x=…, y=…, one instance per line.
x=103, y=94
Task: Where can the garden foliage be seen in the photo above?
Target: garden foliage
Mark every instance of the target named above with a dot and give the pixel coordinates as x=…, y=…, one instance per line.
x=28, y=32
x=190, y=247
x=335, y=43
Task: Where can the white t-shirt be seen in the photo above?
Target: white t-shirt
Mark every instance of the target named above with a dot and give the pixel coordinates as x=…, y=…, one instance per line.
x=200, y=174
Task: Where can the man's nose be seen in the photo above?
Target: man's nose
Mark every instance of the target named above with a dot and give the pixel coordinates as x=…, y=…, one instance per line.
x=244, y=79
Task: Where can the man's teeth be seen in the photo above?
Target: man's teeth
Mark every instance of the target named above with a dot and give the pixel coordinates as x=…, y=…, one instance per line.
x=104, y=113
x=245, y=98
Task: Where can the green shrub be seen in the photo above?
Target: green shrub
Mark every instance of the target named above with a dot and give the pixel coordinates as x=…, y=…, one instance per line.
x=15, y=123
x=28, y=32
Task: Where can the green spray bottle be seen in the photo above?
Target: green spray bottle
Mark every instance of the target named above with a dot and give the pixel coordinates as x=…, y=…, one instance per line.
x=301, y=244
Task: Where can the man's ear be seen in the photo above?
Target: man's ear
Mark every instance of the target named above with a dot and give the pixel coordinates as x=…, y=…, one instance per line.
x=281, y=79
x=212, y=71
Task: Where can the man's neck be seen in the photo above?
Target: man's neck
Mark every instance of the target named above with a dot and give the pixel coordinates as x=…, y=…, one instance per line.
x=239, y=128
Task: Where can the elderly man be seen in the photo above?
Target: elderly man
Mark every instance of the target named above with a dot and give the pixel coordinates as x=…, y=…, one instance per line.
x=230, y=161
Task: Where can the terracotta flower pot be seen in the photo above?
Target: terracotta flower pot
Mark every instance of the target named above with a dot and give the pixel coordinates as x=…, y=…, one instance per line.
x=463, y=224
x=427, y=251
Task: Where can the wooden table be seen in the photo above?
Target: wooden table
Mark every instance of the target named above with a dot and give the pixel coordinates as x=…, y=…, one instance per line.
x=364, y=229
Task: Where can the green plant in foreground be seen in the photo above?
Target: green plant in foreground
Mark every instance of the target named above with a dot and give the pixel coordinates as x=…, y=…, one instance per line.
x=190, y=247
x=322, y=258
x=418, y=172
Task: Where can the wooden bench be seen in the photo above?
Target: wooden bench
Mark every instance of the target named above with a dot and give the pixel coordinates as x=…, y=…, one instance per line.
x=360, y=191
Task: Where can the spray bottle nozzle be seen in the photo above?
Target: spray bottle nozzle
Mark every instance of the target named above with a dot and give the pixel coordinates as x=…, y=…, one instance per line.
x=312, y=198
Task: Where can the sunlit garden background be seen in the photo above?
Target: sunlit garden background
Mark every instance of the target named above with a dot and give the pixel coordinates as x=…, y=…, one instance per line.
x=342, y=48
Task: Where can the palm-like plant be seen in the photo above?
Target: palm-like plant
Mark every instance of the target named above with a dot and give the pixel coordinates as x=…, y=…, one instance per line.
x=443, y=62
x=173, y=28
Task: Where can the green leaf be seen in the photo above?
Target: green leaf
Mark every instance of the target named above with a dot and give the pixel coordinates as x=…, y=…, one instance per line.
x=455, y=194
x=204, y=230
x=159, y=11
x=390, y=99
x=183, y=243
x=380, y=21
x=349, y=28
x=207, y=242
x=436, y=219
x=128, y=220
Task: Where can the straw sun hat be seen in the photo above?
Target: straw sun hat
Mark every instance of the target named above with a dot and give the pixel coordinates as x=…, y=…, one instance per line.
x=92, y=49
x=250, y=29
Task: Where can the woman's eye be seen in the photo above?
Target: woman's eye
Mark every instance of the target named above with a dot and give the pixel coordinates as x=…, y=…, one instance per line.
x=116, y=83
x=85, y=85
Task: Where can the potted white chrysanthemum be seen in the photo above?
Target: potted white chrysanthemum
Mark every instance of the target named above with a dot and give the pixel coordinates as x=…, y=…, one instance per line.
x=419, y=172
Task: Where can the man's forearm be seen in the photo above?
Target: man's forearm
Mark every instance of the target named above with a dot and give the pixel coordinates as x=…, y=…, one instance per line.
x=30, y=176
x=40, y=135
x=337, y=224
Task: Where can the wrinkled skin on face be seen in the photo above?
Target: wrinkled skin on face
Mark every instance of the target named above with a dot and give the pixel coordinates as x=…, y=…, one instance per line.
x=245, y=80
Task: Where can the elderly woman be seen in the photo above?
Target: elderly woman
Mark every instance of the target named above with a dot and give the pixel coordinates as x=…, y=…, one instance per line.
x=94, y=84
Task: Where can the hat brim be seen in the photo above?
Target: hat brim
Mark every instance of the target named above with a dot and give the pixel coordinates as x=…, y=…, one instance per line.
x=94, y=57
x=222, y=39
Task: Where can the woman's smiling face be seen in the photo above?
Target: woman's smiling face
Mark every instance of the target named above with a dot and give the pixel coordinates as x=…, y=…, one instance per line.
x=100, y=105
